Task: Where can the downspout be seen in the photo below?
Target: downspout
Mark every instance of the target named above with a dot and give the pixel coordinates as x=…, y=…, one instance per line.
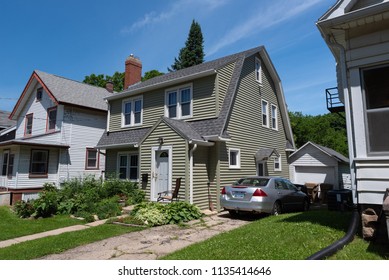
x=347, y=101
x=191, y=173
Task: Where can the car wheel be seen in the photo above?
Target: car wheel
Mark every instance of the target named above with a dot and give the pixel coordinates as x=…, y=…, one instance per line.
x=233, y=213
x=277, y=209
x=305, y=205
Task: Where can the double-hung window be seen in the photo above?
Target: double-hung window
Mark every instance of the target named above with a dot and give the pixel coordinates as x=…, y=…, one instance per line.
x=92, y=159
x=132, y=112
x=51, y=119
x=8, y=163
x=39, y=163
x=265, y=113
x=28, y=125
x=274, y=117
x=234, y=158
x=258, y=70
x=376, y=99
x=178, y=102
x=277, y=163
x=128, y=166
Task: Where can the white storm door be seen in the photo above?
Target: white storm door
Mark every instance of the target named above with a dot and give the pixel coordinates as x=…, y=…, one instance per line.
x=162, y=171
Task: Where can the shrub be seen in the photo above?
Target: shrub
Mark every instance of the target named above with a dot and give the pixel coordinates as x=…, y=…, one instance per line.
x=136, y=196
x=47, y=203
x=155, y=214
x=181, y=212
x=24, y=209
x=108, y=207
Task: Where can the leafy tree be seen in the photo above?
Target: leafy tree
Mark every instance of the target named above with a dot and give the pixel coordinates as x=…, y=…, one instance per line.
x=328, y=130
x=151, y=74
x=101, y=80
x=193, y=52
x=117, y=79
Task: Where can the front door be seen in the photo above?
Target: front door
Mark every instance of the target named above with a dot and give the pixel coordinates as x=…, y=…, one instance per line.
x=161, y=173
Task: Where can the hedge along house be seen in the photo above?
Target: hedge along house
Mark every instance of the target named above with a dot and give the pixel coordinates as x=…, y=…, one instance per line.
x=209, y=124
x=58, y=124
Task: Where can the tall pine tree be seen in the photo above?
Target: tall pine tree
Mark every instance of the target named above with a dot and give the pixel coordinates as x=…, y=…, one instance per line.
x=193, y=52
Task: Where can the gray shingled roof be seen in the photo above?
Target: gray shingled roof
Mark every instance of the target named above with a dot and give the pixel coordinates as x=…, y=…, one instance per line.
x=5, y=122
x=73, y=92
x=332, y=152
x=191, y=130
x=124, y=137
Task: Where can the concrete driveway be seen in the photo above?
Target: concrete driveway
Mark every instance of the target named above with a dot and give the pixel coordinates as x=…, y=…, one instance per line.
x=153, y=243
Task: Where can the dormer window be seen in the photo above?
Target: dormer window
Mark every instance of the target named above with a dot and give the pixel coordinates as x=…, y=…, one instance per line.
x=178, y=102
x=39, y=92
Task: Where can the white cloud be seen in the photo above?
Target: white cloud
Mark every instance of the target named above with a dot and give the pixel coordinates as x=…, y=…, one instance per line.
x=175, y=9
x=266, y=17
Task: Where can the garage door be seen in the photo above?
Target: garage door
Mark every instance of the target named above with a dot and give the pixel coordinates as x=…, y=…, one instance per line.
x=315, y=174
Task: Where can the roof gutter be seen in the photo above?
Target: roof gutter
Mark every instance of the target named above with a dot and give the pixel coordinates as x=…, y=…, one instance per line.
x=182, y=79
x=216, y=138
x=113, y=146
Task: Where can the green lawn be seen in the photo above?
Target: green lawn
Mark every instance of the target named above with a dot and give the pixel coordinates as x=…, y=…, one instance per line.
x=35, y=249
x=294, y=236
x=12, y=226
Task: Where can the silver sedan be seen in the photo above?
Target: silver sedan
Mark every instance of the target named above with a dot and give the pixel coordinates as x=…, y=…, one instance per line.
x=272, y=195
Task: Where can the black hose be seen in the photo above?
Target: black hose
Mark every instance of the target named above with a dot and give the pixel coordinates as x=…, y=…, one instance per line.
x=336, y=246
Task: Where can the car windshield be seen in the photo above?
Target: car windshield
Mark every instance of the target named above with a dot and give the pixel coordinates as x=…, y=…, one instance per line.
x=258, y=182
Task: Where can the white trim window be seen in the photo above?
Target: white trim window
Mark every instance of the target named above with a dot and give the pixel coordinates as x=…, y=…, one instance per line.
x=128, y=166
x=376, y=103
x=265, y=113
x=258, y=70
x=277, y=163
x=132, y=112
x=274, y=117
x=178, y=102
x=234, y=158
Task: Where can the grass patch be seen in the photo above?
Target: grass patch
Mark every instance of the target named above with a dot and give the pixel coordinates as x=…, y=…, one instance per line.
x=56, y=244
x=12, y=226
x=293, y=236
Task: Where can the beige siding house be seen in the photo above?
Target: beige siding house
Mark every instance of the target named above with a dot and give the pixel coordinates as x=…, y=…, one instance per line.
x=209, y=124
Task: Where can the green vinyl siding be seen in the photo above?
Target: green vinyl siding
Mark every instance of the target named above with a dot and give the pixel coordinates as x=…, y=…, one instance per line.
x=179, y=156
x=200, y=174
x=223, y=82
x=245, y=126
x=204, y=104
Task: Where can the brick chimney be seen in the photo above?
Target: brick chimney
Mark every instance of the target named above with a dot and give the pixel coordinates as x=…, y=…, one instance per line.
x=133, y=72
x=109, y=86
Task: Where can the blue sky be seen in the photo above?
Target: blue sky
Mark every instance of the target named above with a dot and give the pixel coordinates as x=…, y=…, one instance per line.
x=76, y=38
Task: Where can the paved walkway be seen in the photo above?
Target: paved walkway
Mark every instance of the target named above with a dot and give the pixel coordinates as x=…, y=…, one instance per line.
x=148, y=244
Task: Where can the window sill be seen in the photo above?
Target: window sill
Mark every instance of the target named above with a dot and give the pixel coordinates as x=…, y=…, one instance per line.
x=36, y=176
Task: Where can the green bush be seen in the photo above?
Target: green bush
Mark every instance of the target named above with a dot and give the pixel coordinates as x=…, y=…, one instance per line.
x=24, y=209
x=155, y=214
x=47, y=203
x=108, y=207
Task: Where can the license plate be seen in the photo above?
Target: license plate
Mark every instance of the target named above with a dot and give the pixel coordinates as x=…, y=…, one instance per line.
x=238, y=194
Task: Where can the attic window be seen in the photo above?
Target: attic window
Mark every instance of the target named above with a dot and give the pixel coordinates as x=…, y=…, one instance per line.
x=258, y=70
x=39, y=92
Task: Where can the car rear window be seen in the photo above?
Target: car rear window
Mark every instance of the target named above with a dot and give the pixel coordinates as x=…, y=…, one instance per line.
x=258, y=182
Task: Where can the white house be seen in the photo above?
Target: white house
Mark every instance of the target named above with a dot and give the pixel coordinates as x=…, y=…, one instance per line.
x=58, y=124
x=313, y=163
x=357, y=33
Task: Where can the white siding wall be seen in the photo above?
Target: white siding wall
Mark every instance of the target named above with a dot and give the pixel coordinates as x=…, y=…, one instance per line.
x=39, y=110
x=81, y=130
x=367, y=46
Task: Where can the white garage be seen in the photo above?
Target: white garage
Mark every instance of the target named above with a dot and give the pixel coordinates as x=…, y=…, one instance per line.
x=313, y=163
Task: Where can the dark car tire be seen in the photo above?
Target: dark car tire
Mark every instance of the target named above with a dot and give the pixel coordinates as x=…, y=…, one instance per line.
x=233, y=213
x=305, y=205
x=277, y=209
